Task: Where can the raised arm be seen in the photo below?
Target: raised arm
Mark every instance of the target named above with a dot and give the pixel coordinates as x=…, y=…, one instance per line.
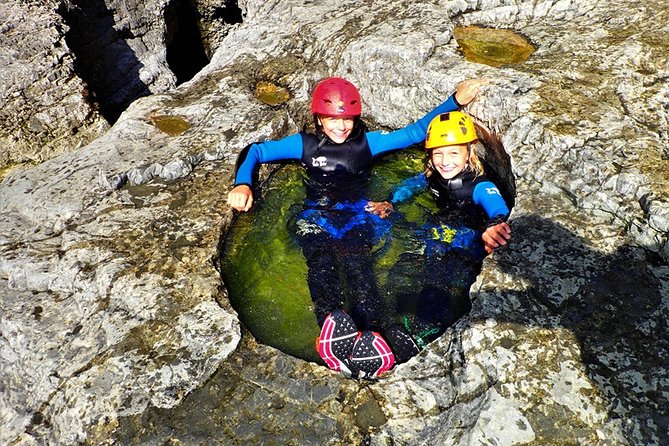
x=382, y=142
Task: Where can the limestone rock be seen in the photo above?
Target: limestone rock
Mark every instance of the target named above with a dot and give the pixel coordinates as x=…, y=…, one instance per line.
x=44, y=109
x=68, y=69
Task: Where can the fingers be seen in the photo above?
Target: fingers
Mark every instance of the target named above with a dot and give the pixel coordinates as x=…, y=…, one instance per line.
x=235, y=202
x=387, y=209
x=382, y=209
x=498, y=239
x=504, y=231
x=467, y=90
x=488, y=241
x=496, y=236
x=249, y=203
x=475, y=84
x=239, y=201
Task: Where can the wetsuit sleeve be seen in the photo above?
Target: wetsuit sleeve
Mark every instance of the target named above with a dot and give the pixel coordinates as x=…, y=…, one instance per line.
x=288, y=148
x=489, y=198
x=382, y=142
x=408, y=188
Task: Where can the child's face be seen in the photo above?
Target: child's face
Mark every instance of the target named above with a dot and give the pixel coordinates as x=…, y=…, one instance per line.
x=337, y=128
x=450, y=160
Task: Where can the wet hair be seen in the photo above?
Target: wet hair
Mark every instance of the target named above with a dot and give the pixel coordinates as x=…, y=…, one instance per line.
x=474, y=164
x=317, y=125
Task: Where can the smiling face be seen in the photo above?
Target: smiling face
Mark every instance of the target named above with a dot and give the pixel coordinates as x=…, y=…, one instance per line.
x=450, y=160
x=337, y=128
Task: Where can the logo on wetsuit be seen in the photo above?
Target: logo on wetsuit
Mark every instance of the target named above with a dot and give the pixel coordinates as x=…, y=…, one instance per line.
x=492, y=191
x=319, y=162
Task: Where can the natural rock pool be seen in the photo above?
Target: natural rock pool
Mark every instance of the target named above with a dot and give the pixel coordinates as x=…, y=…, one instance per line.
x=115, y=328
x=494, y=47
x=265, y=271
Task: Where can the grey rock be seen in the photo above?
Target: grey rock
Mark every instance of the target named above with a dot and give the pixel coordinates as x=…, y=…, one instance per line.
x=68, y=69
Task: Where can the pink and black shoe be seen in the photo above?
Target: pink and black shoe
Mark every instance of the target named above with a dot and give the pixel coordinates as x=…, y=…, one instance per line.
x=371, y=355
x=335, y=343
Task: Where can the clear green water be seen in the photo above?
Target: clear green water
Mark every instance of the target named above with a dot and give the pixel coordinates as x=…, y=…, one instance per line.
x=265, y=272
x=494, y=47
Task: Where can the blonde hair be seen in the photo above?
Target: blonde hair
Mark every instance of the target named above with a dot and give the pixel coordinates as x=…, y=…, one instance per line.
x=473, y=163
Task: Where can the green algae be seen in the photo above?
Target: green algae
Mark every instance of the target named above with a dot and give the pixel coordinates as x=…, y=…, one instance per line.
x=494, y=47
x=265, y=272
x=171, y=125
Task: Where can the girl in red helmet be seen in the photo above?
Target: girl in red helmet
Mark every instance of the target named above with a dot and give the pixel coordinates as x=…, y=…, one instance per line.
x=339, y=225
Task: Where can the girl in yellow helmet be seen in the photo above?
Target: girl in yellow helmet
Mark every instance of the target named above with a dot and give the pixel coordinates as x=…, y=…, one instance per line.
x=456, y=177
x=450, y=142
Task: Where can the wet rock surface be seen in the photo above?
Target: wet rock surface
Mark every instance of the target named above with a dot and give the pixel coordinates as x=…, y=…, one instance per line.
x=115, y=326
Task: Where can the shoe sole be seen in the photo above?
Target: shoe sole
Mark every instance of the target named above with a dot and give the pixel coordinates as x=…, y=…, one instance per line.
x=335, y=344
x=371, y=355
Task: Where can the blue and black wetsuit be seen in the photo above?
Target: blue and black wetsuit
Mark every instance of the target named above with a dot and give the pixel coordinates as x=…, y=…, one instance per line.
x=334, y=230
x=465, y=191
x=453, y=250
x=467, y=204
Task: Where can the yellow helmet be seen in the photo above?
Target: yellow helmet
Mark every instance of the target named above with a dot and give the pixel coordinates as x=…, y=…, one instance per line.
x=449, y=129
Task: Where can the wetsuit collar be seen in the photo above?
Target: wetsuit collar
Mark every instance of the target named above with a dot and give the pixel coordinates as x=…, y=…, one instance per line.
x=456, y=181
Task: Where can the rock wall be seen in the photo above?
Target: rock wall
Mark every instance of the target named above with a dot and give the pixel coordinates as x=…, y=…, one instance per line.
x=70, y=68
x=44, y=109
x=114, y=325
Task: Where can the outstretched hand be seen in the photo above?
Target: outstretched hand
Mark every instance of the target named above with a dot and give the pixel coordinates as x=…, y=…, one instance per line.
x=380, y=208
x=467, y=90
x=241, y=198
x=496, y=236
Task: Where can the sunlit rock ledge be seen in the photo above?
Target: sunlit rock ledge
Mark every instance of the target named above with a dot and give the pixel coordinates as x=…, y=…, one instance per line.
x=115, y=327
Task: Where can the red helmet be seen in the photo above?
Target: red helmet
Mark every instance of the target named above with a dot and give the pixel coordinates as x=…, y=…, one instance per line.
x=335, y=96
